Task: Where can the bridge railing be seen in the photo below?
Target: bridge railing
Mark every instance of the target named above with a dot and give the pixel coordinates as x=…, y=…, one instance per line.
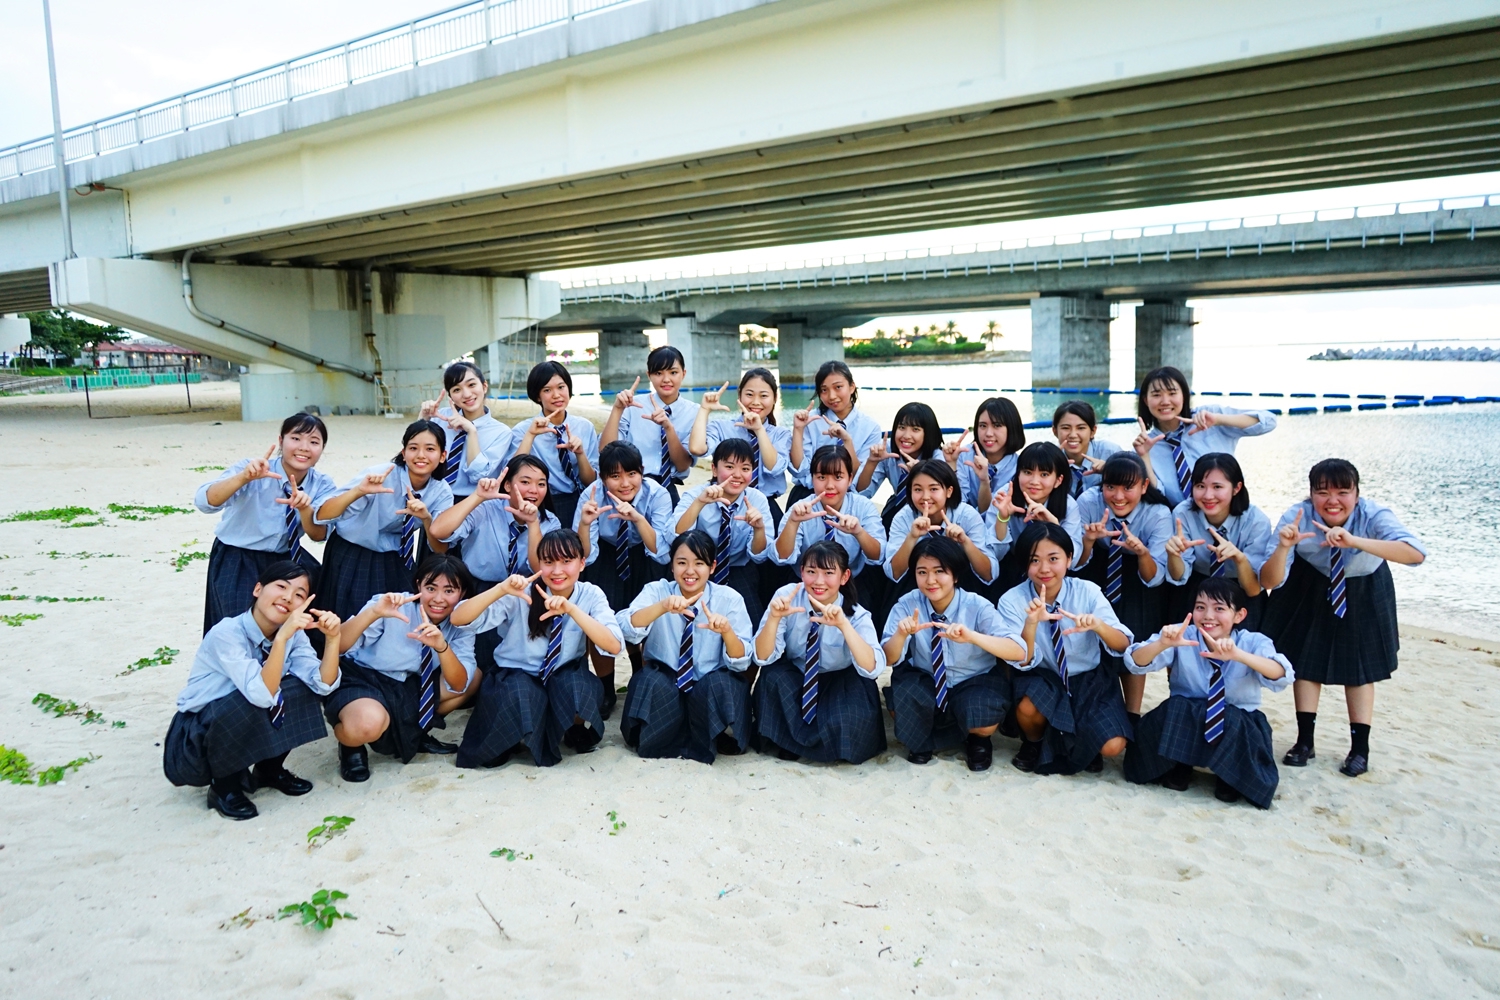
x=447, y=33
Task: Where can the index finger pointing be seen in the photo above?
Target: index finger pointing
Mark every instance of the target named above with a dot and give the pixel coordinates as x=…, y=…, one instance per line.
x=307, y=602
x=270, y=451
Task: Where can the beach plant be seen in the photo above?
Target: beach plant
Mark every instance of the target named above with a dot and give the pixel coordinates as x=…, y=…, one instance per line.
x=44, y=599
x=181, y=560
x=161, y=658
x=65, y=514
x=16, y=621
x=325, y=831
x=139, y=512
x=319, y=912
x=208, y=468
x=54, y=554
x=510, y=854
x=63, y=709
x=15, y=767
x=616, y=824
x=53, y=775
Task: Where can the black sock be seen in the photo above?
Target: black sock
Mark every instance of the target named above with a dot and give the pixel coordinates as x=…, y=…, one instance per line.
x=1134, y=717
x=271, y=765
x=1305, y=723
x=228, y=783
x=1359, y=739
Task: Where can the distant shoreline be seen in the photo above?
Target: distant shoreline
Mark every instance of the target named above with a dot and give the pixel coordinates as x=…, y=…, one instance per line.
x=983, y=358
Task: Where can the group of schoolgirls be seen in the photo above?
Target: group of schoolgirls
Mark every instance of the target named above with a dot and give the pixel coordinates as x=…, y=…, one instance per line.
x=450, y=579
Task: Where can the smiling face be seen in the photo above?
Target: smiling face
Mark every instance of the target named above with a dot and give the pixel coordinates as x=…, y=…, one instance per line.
x=423, y=455
x=690, y=572
x=468, y=395
x=276, y=600
x=935, y=581
x=758, y=397
x=1214, y=617
x=300, y=450
x=830, y=487
x=555, y=395
x=1038, y=484
x=667, y=382
x=1047, y=568
x=623, y=484
x=823, y=583
x=1334, y=504
x=909, y=440
x=734, y=475
x=930, y=497
x=1124, y=499
x=438, y=597
x=837, y=394
x=1213, y=495
x=561, y=574
x=992, y=436
x=1165, y=401
x=1074, y=436
x=529, y=483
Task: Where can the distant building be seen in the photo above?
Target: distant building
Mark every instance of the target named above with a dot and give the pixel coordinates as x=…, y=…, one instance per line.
x=148, y=353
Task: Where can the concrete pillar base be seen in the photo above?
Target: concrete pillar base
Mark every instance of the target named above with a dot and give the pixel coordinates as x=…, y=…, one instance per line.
x=622, y=358
x=712, y=353
x=1163, y=336
x=506, y=363
x=271, y=393
x=1070, y=342
x=802, y=349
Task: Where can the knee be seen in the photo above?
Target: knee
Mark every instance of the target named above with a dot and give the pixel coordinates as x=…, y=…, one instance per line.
x=984, y=731
x=1027, y=715
x=1114, y=747
x=363, y=723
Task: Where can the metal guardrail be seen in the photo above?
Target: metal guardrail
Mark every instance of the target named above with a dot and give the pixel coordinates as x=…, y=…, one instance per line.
x=449, y=32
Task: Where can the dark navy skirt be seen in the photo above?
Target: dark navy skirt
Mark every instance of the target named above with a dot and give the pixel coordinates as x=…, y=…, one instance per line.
x=233, y=573
x=661, y=721
x=352, y=574
x=1172, y=733
x=604, y=574
x=746, y=581
x=1358, y=649
x=973, y=703
x=229, y=734
x=402, y=702
x=1080, y=719
x=515, y=709
x=848, y=725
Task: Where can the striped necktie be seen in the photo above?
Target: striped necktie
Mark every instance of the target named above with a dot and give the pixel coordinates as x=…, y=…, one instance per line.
x=277, y=711
x=1221, y=566
x=427, y=703
x=293, y=531
x=565, y=457
x=1077, y=471
x=994, y=473
x=1114, y=577
x=899, y=483
x=553, y=659
x=1059, y=649
x=622, y=550
x=828, y=527
x=939, y=666
x=1213, y=711
x=810, y=668
x=685, y=652
x=668, y=470
x=1179, y=462
x=1336, y=582
x=455, y=456
x=410, y=536
x=755, y=473
x=517, y=551
x=726, y=534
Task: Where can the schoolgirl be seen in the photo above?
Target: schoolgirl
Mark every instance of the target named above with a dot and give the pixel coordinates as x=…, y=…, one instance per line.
x=478, y=444
x=986, y=465
x=832, y=419
x=1332, y=609
x=501, y=523
x=1174, y=434
x=1127, y=523
x=252, y=696
x=406, y=665
x=1075, y=424
x=1212, y=717
x=568, y=445
x=1069, y=711
x=947, y=686
x=757, y=425
x=691, y=698
x=541, y=695
x=916, y=437
x=661, y=427
x=1218, y=532
x=268, y=505
x=382, y=522
x=735, y=514
x=819, y=657
x=1040, y=492
x=933, y=507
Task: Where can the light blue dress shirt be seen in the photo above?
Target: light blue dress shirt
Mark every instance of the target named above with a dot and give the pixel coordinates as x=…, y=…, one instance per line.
x=1369, y=520
x=486, y=537
x=1250, y=532
x=1071, y=523
x=964, y=516
x=496, y=444
x=740, y=533
x=1194, y=446
x=892, y=470
x=231, y=657
x=833, y=650
x=1190, y=671
x=773, y=479
x=663, y=638
x=1083, y=649
x=1150, y=522
x=653, y=501
x=862, y=428
x=815, y=530
x=544, y=447
x=999, y=473
x=386, y=648
x=961, y=660
x=519, y=651
x=252, y=517
x=374, y=520
x=637, y=427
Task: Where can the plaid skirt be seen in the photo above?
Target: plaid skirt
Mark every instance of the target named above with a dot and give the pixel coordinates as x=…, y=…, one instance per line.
x=746, y=581
x=1359, y=648
x=1080, y=719
x=233, y=573
x=352, y=574
x=973, y=703
x=848, y=725
x=514, y=708
x=564, y=505
x=1172, y=733
x=1177, y=604
x=604, y=574
x=401, y=700
x=1140, y=608
x=661, y=721
x=229, y=734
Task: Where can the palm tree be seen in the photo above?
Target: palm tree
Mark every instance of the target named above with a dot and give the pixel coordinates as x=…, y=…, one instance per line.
x=950, y=332
x=991, y=333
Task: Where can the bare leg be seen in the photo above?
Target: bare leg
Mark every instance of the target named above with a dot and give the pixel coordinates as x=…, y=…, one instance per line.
x=1305, y=695
x=447, y=701
x=985, y=730
x=1033, y=723
x=1361, y=702
x=1133, y=686
x=1114, y=747
x=361, y=721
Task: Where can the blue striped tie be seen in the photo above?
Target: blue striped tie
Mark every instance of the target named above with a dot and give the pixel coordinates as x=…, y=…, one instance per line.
x=277, y=711
x=293, y=520
x=622, y=552
x=565, y=456
x=1179, y=463
x=994, y=473
x=409, y=539
x=1114, y=577
x=810, y=668
x=939, y=667
x=427, y=704
x=1336, y=582
x=553, y=659
x=828, y=527
x=1077, y=471
x=900, y=484
x=668, y=470
x=455, y=456
x=517, y=551
x=721, y=551
x=685, y=652
x=755, y=473
x=1213, y=711
x=1059, y=649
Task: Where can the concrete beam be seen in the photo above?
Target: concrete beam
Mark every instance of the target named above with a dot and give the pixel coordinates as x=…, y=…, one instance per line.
x=801, y=349
x=1163, y=336
x=1070, y=342
x=712, y=353
x=622, y=357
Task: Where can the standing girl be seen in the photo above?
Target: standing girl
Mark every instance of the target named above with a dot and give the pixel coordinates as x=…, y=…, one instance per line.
x=1074, y=424
x=985, y=466
x=268, y=505
x=816, y=696
x=383, y=522
x=691, y=698
x=1219, y=534
x=933, y=508
x=734, y=514
x=757, y=425
x=1182, y=434
x=1070, y=712
x=252, y=696
x=1333, y=609
x=541, y=695
x=406, y=665
x=835, y=422
x=478, y=444
x=567, y=445
x=1040, y=492
x=916, y=437
x=948, y=686
x=661, y=432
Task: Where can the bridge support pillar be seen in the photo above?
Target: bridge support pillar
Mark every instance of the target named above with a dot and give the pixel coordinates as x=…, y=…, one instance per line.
x=712, y=353
x=1163, y=336
x=1070, y=342
x=801, y=349
x=622, y=358
x=506, y=363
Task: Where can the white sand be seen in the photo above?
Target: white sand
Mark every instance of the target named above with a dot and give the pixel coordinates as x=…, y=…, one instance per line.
x=751, y=878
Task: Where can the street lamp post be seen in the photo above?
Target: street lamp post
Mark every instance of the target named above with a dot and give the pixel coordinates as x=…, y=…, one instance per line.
x=57, y=138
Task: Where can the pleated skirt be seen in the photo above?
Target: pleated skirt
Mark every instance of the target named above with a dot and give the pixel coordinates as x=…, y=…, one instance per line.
x=514, y=709
x=1080, y=718
x=660, y=721
x=1172, y=733
x=401, y=700
x=603, y=573
x=352, y=574
x=974, y=703
x=848, y=725
x=1360, y=648
x=229, y=734
x=233, y=573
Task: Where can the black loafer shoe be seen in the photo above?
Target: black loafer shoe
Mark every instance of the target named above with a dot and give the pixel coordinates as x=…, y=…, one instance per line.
x=1298, y=755
x=1224, y=791
x=1008, y=727
x=431, y=744
x=1096, y=765
x=581, y=738
x=611, y=697
x=232, y=804
x=920, y=757
x=727, y=745
x=354, y=763
x=1178, y=778
x=979, y=752
x=283, y=781
x=1029, y=756
x=782, y=753
x=1355, y=764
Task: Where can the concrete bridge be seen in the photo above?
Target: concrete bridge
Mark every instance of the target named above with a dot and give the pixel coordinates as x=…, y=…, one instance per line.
x=355, y=214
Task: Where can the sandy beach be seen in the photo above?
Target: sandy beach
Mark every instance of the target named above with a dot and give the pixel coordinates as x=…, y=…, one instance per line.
x=754, y=877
